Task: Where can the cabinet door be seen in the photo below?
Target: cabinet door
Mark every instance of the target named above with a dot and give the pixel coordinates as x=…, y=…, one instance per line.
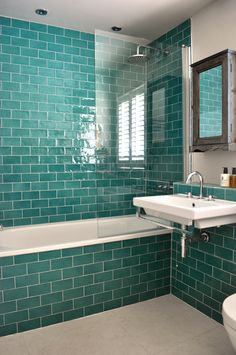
x=210, y=101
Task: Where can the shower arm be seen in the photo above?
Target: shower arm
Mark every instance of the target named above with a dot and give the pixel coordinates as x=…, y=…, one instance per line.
x=160, y=50
x=143, y=46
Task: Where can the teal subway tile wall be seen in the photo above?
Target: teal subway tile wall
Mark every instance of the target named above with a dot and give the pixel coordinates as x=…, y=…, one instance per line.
x=45, y=288
x=208, y=274
x=59, y=161
x=47, y=124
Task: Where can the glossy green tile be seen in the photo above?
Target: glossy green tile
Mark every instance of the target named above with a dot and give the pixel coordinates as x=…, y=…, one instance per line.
x=53, y=319
x=112, y=265
x=39, y=289
x=82, y=259
x=61, y=263
x=130, y=300
x=83, y=280
x=56, y=30
x=28, y=325
x=7, y=283
x=7, y=307
x=39, y=311
x=93, y=289
x=218, y=273
x=224, y=253
x=93, y=268
x=140, y=269
x=54, y=254
x=62, y=306
x=112, y=285
x=77, y=313
x=5, y=21
x=38, y=267
x=50, y=298
x=16, y=270
x=129, y=281
x=73, y=293
x=103, y=256
x=20, y=24
x=46, y=37
x=62, y=285
x=50, y=276
x=14, y=294
x=134, y=260
x=147, y=295
x=16, y=317
x=229, y=267
x=27, y=280
x=103, y=276
x=38, y=27
x=8, y=329
x=29, y=302
x=83, y=301
x=130, y=242
x=93, y=309
x=11, y=31
x=121, y=253
x=29, y=34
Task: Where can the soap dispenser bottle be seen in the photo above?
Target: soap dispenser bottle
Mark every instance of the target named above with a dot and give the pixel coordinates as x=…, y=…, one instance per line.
x=232, y=180
x=225, y=178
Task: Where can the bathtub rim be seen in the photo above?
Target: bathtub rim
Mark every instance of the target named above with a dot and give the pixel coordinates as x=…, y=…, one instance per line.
x=81, y=243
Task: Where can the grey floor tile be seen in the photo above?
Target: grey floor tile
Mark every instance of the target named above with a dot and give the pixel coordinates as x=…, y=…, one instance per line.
x=162, y=326
x=13, y=345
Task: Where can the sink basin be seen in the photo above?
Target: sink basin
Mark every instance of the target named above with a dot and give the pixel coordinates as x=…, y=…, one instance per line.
x=183, y=210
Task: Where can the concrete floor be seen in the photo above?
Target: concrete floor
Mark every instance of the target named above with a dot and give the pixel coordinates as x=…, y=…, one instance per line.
x=162, y=326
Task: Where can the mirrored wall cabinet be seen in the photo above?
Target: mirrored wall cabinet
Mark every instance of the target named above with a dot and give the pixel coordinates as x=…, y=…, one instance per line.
x=213, y=103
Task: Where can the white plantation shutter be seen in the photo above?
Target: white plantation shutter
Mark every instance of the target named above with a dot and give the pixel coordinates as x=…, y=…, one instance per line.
x=137, y=124
x=131, y=126
x=124, y=131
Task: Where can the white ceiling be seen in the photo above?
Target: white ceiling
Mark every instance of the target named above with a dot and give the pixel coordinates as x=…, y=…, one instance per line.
x=140, y=18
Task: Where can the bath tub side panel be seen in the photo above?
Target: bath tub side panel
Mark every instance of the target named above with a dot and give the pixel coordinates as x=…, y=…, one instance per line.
x=45, y=288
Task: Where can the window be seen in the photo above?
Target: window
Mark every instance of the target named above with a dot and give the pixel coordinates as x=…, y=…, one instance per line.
x=131, y=126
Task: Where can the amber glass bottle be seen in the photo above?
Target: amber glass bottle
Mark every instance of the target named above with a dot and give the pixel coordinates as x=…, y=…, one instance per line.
x=232, y=178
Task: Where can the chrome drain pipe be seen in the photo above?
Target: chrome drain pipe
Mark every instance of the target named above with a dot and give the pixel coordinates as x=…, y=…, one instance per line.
x=183, y=241
x=187, y=234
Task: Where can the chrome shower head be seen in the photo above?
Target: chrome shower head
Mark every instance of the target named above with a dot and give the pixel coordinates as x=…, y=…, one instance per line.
x=141, y=58
x=138, y=58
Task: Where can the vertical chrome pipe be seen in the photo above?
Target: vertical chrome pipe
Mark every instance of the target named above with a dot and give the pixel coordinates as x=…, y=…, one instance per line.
x=183, y=242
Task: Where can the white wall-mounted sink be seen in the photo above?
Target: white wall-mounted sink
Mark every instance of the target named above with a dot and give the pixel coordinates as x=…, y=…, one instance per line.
x=189, y=210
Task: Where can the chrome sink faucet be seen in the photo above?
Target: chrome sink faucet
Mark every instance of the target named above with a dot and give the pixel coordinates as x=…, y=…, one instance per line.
x=189, y=178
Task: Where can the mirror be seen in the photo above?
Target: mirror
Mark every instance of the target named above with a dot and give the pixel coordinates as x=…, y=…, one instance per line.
x=210, y=94
x=213, y=97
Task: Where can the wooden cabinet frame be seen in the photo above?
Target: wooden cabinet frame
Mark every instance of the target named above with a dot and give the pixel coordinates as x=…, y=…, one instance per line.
x=225, y=59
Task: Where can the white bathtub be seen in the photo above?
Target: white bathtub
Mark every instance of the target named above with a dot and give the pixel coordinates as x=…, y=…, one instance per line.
x=43, y=237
